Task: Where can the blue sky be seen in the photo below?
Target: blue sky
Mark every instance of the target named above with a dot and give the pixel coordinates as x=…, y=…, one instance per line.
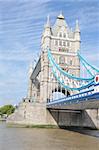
x=21, y=26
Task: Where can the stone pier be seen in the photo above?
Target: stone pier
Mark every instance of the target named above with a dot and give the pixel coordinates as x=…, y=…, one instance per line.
x=37, y=114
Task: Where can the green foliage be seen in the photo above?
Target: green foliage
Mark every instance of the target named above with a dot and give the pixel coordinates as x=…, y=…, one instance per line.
x=7, y=109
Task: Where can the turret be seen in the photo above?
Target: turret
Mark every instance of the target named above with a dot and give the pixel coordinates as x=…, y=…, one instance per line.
x=77, y=31
x=60, y=16
x=46, y=34
x=47, y=25
x=60, y=23
x=47, y=28
x=77, y=36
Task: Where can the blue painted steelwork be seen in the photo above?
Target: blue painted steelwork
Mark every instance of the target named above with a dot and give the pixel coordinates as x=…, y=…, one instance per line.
x=53, y=65
x=75, y=95
x=67, y=87
x=81, y=58
x=86, y=68
x=75, y=99
x=72, y=96
x=63, y=72
x=89, y=95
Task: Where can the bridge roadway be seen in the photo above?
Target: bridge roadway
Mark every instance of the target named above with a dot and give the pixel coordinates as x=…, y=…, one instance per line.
x=85, y=100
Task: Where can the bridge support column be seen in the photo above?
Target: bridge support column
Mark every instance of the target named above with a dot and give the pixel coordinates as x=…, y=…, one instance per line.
x=44, y=78
x=31, y=114
x=71, y=118
x=37, y=114
x=67, y=118
x=44, y=92
x=90, y=118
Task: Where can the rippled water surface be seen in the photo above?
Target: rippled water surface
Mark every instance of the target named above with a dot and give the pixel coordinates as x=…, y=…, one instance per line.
x=46, y=139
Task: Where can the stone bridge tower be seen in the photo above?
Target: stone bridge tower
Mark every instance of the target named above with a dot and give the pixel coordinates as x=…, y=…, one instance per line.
x=64, y=44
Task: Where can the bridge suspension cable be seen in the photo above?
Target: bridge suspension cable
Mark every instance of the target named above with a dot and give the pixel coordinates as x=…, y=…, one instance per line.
x=88, y=66
x=65, y=78
x=64, y=72
x=68, y=87
x=87, y=69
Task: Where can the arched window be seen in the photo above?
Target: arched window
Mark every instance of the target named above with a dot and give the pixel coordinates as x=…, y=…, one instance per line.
x=64, y=43
x=60, y=43
x=60, y=34
x=71, y=62
x=56, y=42
x=68, y=44
x=61, y=60
x=64, y=35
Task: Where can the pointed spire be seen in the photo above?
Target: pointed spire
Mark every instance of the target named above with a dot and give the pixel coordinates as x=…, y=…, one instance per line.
x=71, y=30
x=48, y=22
x=61, y=15
x=77, y=29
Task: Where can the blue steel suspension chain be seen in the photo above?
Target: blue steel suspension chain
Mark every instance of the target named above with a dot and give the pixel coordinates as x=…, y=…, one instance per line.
x=63, y=72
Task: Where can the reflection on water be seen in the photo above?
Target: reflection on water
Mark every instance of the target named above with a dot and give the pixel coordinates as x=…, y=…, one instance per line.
x=46, y=139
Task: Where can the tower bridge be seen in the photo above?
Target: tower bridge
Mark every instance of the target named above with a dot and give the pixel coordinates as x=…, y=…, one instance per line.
x=57, y=91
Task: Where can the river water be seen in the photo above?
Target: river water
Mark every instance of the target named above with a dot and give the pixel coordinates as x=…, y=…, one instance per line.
x=47, y=139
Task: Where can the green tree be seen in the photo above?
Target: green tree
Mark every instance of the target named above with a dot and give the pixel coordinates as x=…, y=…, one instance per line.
x=7, y=109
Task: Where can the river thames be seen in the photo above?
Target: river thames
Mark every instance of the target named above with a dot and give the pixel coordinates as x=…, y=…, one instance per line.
x=47, y=139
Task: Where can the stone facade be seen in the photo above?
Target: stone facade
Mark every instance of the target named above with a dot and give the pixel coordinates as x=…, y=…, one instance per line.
x=28, y=113
x=64, y=44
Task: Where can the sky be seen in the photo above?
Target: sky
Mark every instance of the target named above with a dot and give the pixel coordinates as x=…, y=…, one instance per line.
x=21, y=26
